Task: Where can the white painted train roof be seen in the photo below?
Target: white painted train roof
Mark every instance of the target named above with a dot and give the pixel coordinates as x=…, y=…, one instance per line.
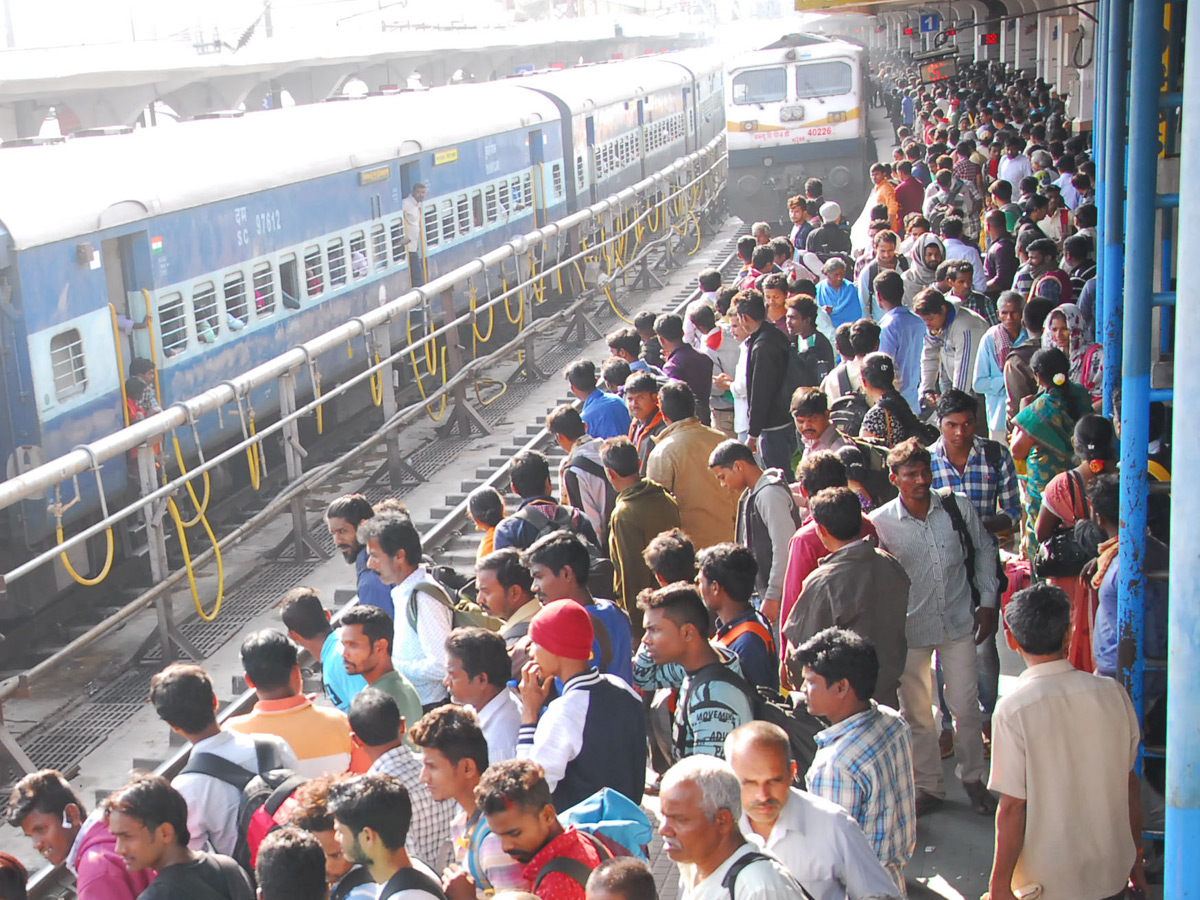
x=587, y=87
x=827, y=50
x=49, y=193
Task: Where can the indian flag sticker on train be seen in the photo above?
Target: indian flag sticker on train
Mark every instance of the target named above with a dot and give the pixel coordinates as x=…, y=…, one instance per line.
x=156, y=244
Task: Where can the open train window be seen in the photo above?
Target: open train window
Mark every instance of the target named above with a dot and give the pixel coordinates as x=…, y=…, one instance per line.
x=824, y=79
x=264, y=290
x=336, y=250
x=358, y=255
x=314, y=272
x=205, y=312
x=556, y=179
x=489, y=203
x=172, y=323
x=760, y=86
x=433, y=237
x=379, y=247
x=399, y=241
x=477, y=208
x=289, y=280
x=518, y=199
x=235, y=301
x=463, y=208
x=67, y=364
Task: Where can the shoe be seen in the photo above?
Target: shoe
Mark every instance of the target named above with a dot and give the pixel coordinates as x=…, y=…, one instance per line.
x=981, y=799
x=926, y=803
x=946, y=743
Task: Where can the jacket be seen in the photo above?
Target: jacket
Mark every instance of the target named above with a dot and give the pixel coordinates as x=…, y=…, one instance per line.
x=641, y=513
x=99, y=873
x=679, y=462
x=862, y=589
x=766, y=520
x=704, y=717
x=767, y=352
x=583, y=485
x=643, y=434
x=948, y=359
x=695, y=369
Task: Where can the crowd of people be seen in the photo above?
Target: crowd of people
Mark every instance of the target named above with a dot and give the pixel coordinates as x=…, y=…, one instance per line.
x=767, y=589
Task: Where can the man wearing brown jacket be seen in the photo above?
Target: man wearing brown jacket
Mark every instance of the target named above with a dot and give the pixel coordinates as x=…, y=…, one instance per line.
x=679, y=462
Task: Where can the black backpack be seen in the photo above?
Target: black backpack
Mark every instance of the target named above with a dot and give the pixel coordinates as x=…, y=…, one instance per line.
x=356, y=877
x=567, y=518
x=943, y=208
x=878, y=483
x=848, y=411
x=729, y=882
x=574, y=869
x=410, y=879
x=263, y=792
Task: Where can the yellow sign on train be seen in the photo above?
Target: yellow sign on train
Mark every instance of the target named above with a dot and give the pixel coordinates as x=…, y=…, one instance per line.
x=445, y=156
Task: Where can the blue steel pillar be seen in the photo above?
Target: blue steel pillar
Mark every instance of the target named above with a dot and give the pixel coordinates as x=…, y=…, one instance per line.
x=1182, y=877
x=1099, y=99
x=1112, y=254
x=1145, y=84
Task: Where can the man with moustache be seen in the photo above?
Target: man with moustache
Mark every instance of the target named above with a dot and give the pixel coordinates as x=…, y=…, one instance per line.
x=342, y=518
x=366, y=636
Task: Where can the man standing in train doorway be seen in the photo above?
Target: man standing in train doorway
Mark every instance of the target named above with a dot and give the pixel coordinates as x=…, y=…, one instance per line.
x=412, y=232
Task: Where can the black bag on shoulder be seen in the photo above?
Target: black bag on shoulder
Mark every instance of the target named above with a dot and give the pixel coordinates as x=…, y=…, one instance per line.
x=1064, y=554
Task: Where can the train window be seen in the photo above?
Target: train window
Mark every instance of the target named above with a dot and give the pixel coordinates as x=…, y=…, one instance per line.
x=399, y=243
x=527, y=189
x=691, y=117
x=505, y=208
x=235, y=301
x=358, y=255
x=463, y=208
x=432, y=235
x=67, y=364
x=580, y=177
x=314, y=272
x=556, y=178
x=204, y=310
x=489, y=203
x=760, y=86
x=448, y=220
x=264, y=290
x=477, y=208
x=337, y=262
x=289, y=280
x=518, y=199
x=172, y=324
x=824, y=79
x=379, y=247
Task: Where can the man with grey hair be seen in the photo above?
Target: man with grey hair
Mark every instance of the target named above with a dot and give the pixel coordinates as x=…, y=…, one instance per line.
x=761, y=232
x=819, y=843
x=700, y=803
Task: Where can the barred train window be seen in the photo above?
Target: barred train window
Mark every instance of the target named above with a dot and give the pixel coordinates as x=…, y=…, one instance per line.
x=358, y=255
x=204, y=310
x=67, y=364
x=264, y=290
x=172, y=323
x=448, y=220
x=379, y=247
x=489, y=202
x=235, y=296
x=463, y=208
x=432, y=235
x=337, y=262
x=556, y=178
x=314, y=272
x=399, y=240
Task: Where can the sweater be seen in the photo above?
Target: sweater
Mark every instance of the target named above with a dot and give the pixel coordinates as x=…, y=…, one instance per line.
x=948, y=358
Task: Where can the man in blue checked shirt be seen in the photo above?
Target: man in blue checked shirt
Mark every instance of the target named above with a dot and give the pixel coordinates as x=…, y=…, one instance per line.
x=864, y=758
x=982, y=469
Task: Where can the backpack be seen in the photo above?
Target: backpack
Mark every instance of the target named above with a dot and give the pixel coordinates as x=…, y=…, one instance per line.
x=263, y=793
x=950, y=504
x=767, y=705
x=729, y=882
x=463, y=614
x=795, y=376
x=571, y=485
x=848, y=411
x=750, y=626
x=410, y=879
x=878, y=482
x=943, y=208
x=566, y=518
x=356, y=877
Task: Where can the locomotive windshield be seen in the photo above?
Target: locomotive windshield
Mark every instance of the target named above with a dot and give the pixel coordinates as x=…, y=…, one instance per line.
x=760, y=86
x=823, y=79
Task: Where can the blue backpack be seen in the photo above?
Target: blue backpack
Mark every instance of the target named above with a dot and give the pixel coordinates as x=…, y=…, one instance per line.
x=617, y=825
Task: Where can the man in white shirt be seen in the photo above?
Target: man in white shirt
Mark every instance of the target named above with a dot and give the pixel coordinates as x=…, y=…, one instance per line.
x=816, y=840
x=412, y=232
x=423, y=621
x=477, y=676
x=700, y=804
x=1014, y=164
x=220, y=761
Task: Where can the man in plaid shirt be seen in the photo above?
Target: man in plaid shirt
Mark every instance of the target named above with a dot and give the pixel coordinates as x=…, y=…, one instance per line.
x=864, y=759
x=982, y=469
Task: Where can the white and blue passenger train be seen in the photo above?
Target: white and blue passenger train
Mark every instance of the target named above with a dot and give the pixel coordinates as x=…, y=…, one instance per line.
x=241, y=237
x=796, y=110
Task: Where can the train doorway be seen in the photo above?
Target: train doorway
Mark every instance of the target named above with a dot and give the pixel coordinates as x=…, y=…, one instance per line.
x=126, y=262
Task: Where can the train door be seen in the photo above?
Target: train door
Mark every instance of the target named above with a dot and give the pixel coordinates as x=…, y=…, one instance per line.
x=537, y=160
x=126, y=262
x=593, y=169
x=690, y=142
x=410, y=174
x=641, y=131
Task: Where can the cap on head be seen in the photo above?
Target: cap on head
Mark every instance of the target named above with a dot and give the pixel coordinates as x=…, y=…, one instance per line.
x=563, y=628
x=830, y=212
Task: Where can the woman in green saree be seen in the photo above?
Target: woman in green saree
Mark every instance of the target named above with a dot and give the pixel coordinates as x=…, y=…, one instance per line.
x=1042, y=432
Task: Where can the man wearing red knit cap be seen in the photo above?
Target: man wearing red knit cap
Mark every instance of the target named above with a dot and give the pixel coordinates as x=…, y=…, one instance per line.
x=593, y=734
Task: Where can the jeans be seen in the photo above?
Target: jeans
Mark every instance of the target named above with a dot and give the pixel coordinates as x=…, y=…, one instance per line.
x=775, y=449
x=962, y=694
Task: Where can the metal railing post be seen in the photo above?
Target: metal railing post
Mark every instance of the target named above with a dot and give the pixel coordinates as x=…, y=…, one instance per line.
x=1112, y=260
x=399, y=472
x=463, y=416
x=1182, y=876
x=293, y=461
